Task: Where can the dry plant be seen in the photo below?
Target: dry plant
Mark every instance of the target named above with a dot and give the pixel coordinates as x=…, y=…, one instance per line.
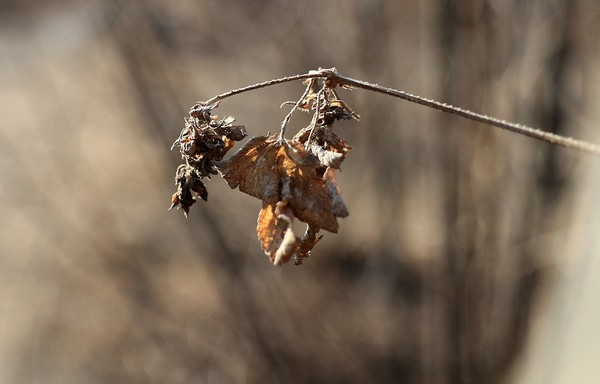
x=295, y=178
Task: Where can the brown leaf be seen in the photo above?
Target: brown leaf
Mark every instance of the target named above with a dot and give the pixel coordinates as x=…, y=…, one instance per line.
x=274, y=170
x=275, y=233
x=265, y=227
x=338, y=207
x=309, y=240
x=327, y=158
x=307, y=193
x=325, y=144
x=252, y=169
x=203, y=141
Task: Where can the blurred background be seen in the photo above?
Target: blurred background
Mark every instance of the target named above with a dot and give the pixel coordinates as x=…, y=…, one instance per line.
x=469, y=255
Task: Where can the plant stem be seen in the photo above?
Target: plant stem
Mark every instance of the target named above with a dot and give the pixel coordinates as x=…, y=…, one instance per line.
x=287, y=118
x=548, y=137
x=332, y=76
x=264, y=84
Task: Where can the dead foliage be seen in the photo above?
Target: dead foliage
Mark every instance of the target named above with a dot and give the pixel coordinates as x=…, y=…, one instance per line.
x=294, y=178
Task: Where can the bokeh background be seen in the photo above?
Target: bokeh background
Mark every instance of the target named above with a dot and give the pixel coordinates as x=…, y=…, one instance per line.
x=469, y=256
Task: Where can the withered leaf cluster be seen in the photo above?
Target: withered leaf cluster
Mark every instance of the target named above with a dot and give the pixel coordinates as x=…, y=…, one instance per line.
x=294, y=179
x=203, y=141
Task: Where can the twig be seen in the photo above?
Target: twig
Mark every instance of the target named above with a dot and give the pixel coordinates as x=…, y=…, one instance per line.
x=548, y=137
x=332, y=76
x=287, y=118
x=264, y=84
x=315, y=118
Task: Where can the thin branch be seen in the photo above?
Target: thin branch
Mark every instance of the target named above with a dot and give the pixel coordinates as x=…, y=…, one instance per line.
x=332, y=76
x=313, y=123
x=233, y=92
x=294, y=108
x=548, y=137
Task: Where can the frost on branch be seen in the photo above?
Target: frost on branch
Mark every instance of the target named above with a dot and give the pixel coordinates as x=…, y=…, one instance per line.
x=294, y=179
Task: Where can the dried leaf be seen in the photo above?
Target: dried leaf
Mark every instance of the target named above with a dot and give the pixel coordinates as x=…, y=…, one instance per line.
x=274, y=170
x=325, y=144
x=327, y=158
x=286, y=248
x=252, y=169
x=265, y=227
x=187, y=181
x=310, y=200
x=338, y=207
x=294, y=179
x=275, y=233
x=309, y=240
x=203, y=141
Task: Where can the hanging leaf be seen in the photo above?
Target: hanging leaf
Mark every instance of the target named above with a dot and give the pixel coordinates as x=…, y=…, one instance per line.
x=275, y=233
x=291, y=183
x=274, y=170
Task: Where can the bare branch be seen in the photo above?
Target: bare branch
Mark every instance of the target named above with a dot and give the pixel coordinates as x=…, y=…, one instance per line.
x=287, y=118
x=264, y=84
x=332, y=76
x=521, y=129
